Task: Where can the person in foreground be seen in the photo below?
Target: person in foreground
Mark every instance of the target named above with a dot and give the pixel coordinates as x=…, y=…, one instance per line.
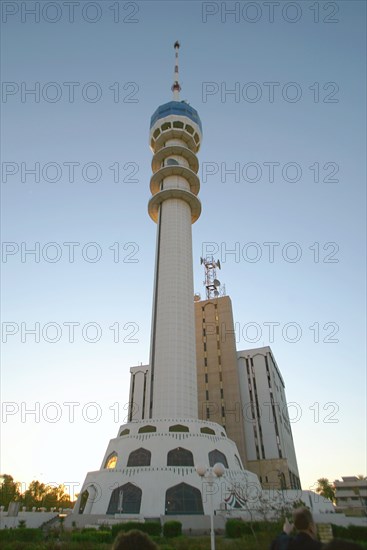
x=133, y=540
x=306, y=538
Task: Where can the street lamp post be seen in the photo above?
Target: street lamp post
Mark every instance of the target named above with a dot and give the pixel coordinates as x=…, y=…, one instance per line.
x=210, y=476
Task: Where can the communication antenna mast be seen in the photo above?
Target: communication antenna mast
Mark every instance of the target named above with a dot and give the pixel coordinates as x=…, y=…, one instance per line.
x=176, y=88
x=213, y=286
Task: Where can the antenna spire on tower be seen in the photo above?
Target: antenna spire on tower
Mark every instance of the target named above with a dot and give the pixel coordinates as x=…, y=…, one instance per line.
x=176, y=88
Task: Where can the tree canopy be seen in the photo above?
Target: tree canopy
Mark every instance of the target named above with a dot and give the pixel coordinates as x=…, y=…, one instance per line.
x=37, y=494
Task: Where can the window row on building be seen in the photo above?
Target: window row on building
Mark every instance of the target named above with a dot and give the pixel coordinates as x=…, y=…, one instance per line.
x=126, y=499
x=179, y=428
x=176, y=457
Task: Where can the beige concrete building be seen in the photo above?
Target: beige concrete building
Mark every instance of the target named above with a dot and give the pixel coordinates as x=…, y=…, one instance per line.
x=219, y=396
x=244, y=392
x=351, y=496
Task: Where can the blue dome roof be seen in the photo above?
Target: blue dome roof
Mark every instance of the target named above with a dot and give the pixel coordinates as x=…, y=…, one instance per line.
x=176, y=108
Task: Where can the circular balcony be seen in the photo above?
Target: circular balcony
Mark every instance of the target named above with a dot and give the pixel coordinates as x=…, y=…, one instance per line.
x=159, y=138
x=190, y=198
x=176, y=150
x=175, y=170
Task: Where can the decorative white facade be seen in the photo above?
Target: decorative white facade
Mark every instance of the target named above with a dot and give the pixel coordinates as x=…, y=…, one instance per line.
x=151, y=466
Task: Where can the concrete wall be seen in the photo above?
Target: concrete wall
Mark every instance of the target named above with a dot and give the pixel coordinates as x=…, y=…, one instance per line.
x=32, y=519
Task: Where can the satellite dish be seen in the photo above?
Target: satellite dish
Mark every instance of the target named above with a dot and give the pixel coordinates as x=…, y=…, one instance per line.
x=218, y=263
x=216, y=282
x=216, y=293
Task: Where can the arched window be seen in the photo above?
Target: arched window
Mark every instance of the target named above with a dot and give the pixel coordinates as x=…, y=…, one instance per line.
x=238, y=462
x=125, y=499
x=140, y=457
x=172, y=162
x=180, y=457
x=83, y=501
x=125, y=432
x=178, y=428
x=147, y=429
x=111, y=461
x=87, y=499
x=183, y=499
x=207, y=431
x=216, y=456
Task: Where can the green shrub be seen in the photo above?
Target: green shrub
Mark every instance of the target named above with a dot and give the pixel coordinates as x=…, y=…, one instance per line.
x=22, y=524
x=172, y=529
x=24, y=534
x=153, y=528
x=235, y=528
x=92, y=536
x=16, y=545
x=352, y=532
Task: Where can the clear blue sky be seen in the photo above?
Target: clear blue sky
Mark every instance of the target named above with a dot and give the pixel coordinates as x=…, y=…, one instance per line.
x=320, y=62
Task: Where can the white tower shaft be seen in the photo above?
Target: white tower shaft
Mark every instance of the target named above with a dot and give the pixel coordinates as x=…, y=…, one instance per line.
x=174, y=138
x=174, y=206
x=173, y=355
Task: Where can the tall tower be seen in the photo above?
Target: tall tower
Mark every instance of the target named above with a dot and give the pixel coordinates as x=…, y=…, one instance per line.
x=175, y=136
x=150, y=467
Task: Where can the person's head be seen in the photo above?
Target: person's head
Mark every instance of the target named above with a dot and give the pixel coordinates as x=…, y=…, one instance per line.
x=133, y=540
x=303, y=521
x=340, y=544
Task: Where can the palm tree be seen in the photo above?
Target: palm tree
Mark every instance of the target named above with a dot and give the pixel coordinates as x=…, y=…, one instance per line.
x=325, y=488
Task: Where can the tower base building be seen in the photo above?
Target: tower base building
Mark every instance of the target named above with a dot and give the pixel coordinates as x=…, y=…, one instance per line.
x=149, y=470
